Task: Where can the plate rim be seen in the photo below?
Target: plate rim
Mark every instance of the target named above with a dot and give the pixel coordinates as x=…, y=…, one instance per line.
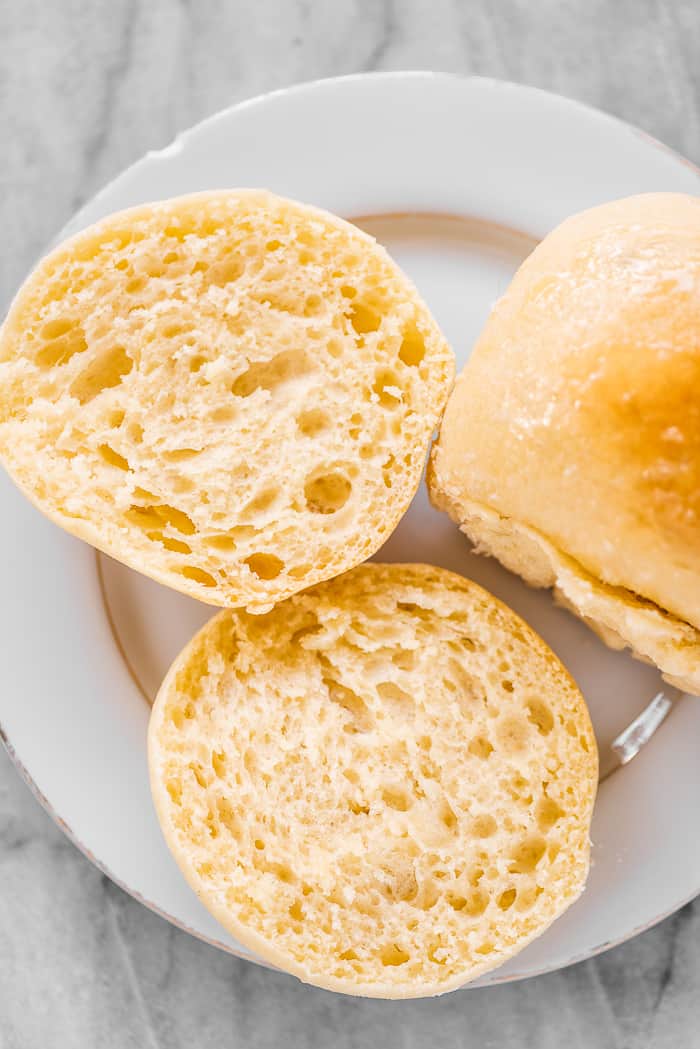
x=76, y=220
x=308, y=86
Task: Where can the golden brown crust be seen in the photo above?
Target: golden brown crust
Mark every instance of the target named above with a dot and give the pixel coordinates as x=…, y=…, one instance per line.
x=578, y=414
x=383, y=786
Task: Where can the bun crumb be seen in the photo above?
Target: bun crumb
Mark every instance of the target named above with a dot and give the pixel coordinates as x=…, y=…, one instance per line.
x=230, y=392
x=384, y=785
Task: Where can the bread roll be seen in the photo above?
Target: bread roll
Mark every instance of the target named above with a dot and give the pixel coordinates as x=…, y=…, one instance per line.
x=230, y=392
x=384, y=785
x=570, y=447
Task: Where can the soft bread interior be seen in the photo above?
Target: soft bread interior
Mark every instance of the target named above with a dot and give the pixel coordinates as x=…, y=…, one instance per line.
x=384, y=785
x=620, y=618
x=231, y=392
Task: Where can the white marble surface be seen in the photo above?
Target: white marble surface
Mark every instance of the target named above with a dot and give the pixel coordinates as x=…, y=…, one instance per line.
x=85, y=88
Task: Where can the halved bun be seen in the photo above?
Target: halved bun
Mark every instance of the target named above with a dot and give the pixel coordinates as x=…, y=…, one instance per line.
x=384, y=785
x=230, y=392
x=570, y=447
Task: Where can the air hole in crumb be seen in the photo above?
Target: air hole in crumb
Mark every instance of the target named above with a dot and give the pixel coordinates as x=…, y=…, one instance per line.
x=507, y=899
x=123, y=264
x=404, y=659
x=296, y=911
x=527, y=897
x=177, y=518
x=300, y=571
x=396, y=798
x=447, y=815
x=239, y=533
x=64, y=340
x=174, y=789
x=177, y=717
x=312, y=422
x=144, y=517
x=387, y=387
x=480, y=747
x=227, y=816
x=327, y=493
x=387, y=467
x=476, y=903
x=268, y=375
x=197, y=575
x=226, y=272
x=396, y=700
x=527, y=855
x=177, y=455
x=198, y=773
x=224, y=543
x=105, y=370
x=363, y=318
x=348, y=292
x=282, y=871
x=222, y=414
x=196, y=363
x=360, y=719
x=54, y=329
x=261, y=503
x=547, y=813
x=218, y=763
x=113, y=458
x=176, y=545
x=264, y=566
x=412, y=349
x=483, y=826
x=394, y=955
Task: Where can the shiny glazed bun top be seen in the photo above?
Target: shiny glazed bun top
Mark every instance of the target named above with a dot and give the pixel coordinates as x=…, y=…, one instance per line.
x=578, y=414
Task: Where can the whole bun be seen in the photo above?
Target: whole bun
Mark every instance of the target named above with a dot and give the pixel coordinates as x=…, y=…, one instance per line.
x=570, y=447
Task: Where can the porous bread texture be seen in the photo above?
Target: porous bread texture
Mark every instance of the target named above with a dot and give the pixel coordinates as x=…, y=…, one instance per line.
x=572, y=437
x=384, y=785
x=231, y=392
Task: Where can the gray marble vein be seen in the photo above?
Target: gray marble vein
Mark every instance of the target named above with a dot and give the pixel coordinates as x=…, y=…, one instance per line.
x=86, y=88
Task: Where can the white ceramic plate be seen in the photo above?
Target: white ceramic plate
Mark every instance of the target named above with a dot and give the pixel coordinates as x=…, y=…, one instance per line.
x=459, y=178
